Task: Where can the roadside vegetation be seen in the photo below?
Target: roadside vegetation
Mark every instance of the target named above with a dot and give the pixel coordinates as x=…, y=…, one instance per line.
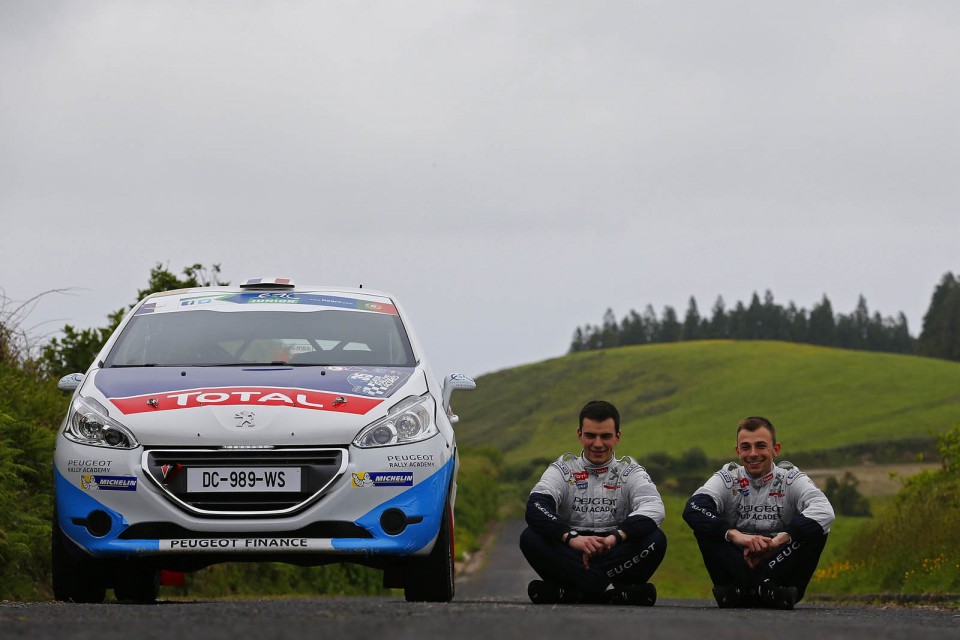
x=913, y=545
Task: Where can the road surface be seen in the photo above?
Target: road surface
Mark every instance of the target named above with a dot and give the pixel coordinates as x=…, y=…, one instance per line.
x=491, y=602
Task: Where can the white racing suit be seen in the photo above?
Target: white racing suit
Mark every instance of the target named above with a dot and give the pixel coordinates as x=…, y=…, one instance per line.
x=784, y=500
x=574, y=494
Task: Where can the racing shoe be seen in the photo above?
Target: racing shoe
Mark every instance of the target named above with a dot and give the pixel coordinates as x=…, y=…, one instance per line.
x=729, y=596
x=542, y=592
x=642, y=595
x=776, y=597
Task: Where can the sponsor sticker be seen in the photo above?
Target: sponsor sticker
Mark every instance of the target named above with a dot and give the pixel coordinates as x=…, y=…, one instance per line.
x=411, y=461
x=256, y=396
x=580, y=476
x=383, y=479
x=372, y=385
x=78, y=465
x=108, y=483
x=243, y=544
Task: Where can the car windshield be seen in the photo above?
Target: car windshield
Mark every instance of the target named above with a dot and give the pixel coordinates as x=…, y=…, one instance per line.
x=213, y=338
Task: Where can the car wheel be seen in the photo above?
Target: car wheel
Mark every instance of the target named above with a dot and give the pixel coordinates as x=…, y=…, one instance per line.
x=75, y=578
x=431, y=579
x=136, y=583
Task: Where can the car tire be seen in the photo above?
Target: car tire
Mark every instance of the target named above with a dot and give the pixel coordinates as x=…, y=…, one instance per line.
x=75, y=578
x=431, y=579
x=135, y=583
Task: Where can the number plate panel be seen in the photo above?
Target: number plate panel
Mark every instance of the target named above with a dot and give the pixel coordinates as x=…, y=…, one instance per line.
x=243, y=479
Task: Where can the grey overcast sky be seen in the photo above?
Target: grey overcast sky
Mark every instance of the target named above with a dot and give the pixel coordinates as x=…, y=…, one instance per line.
x=507, y=169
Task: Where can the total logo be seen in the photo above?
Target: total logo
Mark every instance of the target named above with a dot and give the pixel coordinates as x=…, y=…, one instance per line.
x=233, y=396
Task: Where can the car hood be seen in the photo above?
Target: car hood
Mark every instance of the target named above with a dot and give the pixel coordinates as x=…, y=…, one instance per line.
x=215, y=406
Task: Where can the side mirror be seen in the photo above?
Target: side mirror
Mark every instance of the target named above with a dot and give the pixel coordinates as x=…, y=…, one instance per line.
x=455, y=381
x=70, y=382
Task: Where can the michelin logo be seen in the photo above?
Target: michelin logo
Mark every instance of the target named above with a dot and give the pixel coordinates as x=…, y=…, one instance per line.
x=383, y=479
x=108, y=483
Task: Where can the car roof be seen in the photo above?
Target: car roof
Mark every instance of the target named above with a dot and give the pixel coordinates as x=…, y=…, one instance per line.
x=328, y=289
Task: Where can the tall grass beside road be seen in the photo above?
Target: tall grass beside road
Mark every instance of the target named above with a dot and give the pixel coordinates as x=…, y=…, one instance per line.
x=913, y=546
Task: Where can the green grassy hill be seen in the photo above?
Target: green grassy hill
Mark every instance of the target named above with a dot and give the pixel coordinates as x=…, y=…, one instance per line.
x=676, y=396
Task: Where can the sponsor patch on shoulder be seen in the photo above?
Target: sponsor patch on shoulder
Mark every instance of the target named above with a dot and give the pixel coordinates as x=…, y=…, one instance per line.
x=726, y=477
x=630, y=469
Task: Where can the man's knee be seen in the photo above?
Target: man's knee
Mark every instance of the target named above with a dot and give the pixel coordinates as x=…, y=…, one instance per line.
x=530, y=539
x=639, y=558
x=652, y=546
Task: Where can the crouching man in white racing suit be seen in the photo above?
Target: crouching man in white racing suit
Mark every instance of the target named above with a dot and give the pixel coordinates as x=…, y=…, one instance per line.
x=761, y=527
x=594, y=522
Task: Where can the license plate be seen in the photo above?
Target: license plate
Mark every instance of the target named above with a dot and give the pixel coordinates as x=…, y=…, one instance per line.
x=243, y=479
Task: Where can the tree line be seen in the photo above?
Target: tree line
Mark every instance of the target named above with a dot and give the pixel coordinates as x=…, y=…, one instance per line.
x=768, y=320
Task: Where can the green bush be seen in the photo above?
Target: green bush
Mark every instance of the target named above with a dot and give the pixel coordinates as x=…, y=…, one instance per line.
x=845, y=497
x=914, y=546
x=26, y=508
x=478, y=496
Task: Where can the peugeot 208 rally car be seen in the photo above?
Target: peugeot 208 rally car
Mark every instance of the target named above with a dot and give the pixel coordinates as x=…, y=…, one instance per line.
x=264, y=422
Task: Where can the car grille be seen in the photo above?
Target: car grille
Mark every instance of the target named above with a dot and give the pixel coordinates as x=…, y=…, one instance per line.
x=319, y=468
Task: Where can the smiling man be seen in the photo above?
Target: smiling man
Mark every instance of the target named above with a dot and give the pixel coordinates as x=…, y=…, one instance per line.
x=594, y=522
x=761, y=527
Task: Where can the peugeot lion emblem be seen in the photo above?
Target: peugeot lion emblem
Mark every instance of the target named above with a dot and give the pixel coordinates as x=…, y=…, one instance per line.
x=244, y=419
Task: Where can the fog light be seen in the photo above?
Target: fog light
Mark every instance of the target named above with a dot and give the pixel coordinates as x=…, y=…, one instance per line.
x=393, y=521
x=98, y=523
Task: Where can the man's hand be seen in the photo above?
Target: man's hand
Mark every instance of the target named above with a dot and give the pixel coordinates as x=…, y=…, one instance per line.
x=590, y=546
x=756, y=549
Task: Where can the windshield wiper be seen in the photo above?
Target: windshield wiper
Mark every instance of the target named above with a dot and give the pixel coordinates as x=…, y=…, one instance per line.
x=273, y=363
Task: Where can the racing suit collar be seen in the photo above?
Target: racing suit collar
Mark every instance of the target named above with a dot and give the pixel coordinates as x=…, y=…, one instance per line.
x=756, y=483
x=596, y=468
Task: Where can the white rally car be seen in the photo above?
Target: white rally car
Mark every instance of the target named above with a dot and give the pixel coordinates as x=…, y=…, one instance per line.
x=261, y=422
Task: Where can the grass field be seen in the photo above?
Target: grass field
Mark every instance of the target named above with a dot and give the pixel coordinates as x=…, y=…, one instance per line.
x=676, y=396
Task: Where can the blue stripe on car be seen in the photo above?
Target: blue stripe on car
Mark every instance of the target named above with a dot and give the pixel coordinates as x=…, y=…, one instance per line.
x=73, y=502
x=425, y=499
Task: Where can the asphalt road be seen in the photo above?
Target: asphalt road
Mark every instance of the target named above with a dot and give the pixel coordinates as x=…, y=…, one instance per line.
x=491, y=601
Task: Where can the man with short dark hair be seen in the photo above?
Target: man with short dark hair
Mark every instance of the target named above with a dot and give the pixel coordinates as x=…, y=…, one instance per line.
x=761, y=527
x=594, y=522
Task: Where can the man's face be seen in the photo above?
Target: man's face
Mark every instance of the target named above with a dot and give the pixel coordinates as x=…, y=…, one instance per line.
x=598, y=439
x=756, y=450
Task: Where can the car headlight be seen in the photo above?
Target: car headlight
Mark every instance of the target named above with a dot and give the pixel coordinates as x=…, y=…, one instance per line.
x=408, y=421
x=89, y=424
